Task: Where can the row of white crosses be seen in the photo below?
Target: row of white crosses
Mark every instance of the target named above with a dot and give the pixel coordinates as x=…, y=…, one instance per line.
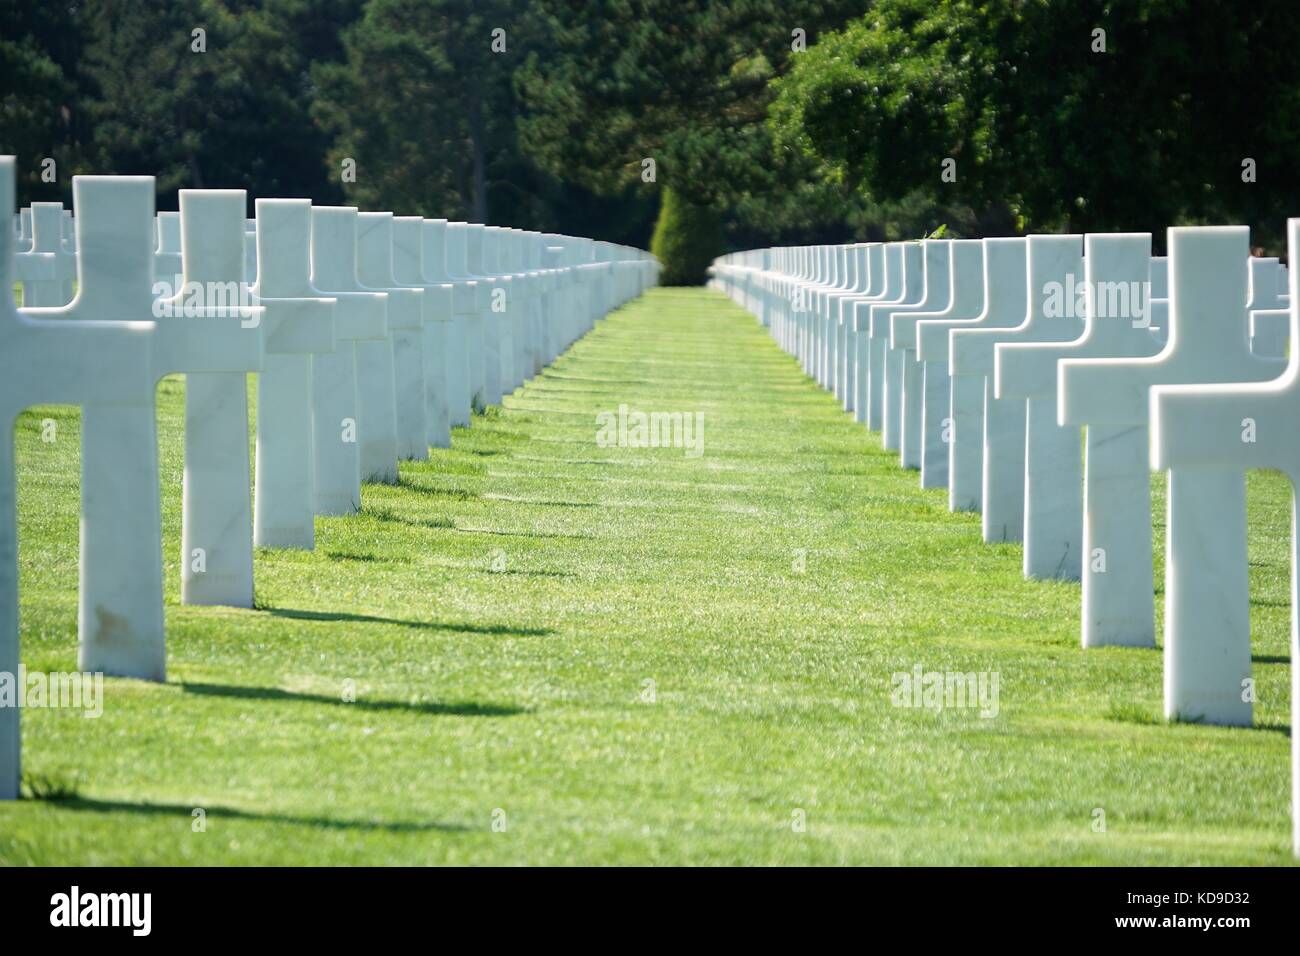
x=371, y=335
x=980, y=361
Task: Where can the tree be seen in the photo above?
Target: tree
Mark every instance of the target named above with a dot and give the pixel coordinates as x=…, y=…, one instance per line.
x=686, y=240
x=424, y=103
x=685, y=84
x=39, y=93
x=220, y=108
x=1051, y=125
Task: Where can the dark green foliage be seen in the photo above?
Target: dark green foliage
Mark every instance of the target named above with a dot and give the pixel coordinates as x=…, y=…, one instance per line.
x=1047, y=130
x=844, y=140
x=125, y=87
x=687, y=238
x=231, y=117
x=411, y=90
x=40, y=115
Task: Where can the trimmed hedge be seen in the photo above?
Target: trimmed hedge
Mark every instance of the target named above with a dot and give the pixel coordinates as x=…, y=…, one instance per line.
x=687, y=238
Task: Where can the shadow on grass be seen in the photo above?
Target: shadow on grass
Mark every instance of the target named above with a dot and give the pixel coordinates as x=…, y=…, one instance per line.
x=532, y=574
x=365, y=556
x=95, y=805
x=545, y=503
x=298, y=615
x=1276, y=727
x=456, y=494
x=431, y=708
x=528, y=534
x=389, y=516
x=1139, y=714
x=1271, y=658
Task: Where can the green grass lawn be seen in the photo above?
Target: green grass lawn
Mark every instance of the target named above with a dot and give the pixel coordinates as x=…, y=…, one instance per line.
x=613, y=655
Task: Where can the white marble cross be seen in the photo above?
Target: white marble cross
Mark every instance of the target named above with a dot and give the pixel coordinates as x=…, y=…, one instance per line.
x=169, y=275
x=1118, y=598
x=1051, y=459
x=285, y=236
x=936, y=297
x=95, y=363
x=560, y=298
x=1270, y=331
x=838, y=280
x=866, y=284
x=797, y=274
x=582, y=291
x=1054, y=542
x=1049, y=261
x=1204, y=431
x=883, y=265
x=574, y=318
x=498, y=317
x=515, y=255
x=406, y=330
x=935, y=384
x=1267, y=284
x=297, y=327
x=439, y=239
x=530, y=245
x=759, y=266
x=808, y=274
x=1269, y=316
x=589, y=271
x=806, y=292
x=501, y=260
x=490, y=287
x=552, y=272
x=518, y=320
x=409, y=234
x=120, y=607
x=1004, y=306
x=334, y=272
x=595, y=283
x=525, y=266
x=1207, y=619
x=436, y=260
x=24, y=243
x=250, y=252
x=786, y=285
x=772, y=283
x=470, y=297
x=556, y=256
x=820, y=278
x=869, y=360
x=216, y=350
x=557, y=273
x=912, y=385
x=1158, y=302
x=526, y=259
x=47, y=271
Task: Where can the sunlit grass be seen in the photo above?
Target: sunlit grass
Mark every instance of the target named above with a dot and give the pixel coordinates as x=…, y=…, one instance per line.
x=626, y=655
